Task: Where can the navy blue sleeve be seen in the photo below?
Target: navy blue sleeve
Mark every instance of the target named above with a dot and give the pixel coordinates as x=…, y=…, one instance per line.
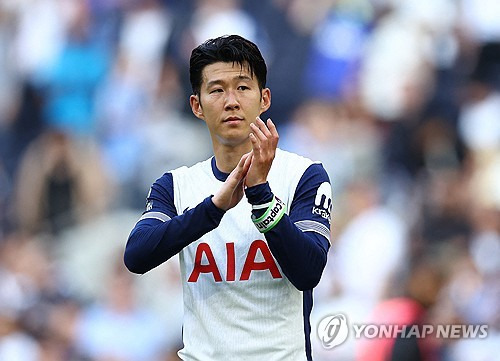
x=161, y=233
x=300, y=241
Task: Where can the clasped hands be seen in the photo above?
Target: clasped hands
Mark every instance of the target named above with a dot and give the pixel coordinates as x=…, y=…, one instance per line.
x=253, y=167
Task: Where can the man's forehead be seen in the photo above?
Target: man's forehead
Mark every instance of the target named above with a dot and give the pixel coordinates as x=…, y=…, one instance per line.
x=226, y=70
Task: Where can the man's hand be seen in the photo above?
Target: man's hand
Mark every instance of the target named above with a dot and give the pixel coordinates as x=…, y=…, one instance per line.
x=264, y=142
x=232, y=190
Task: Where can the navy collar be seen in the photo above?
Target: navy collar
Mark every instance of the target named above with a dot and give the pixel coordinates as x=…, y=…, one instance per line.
x=217, y=173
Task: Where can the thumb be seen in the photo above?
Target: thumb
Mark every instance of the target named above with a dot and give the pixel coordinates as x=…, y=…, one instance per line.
x=243, y=164
x=239, y=172
x=248, y=161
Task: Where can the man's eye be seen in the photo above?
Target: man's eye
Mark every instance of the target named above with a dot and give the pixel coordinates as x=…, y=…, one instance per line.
x=218, y=90
x=243, y=87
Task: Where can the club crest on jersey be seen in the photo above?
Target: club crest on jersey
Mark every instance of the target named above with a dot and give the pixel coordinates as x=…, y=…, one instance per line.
x=323, y=201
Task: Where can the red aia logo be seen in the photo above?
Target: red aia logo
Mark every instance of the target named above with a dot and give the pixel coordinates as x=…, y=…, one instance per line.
x=249, y=266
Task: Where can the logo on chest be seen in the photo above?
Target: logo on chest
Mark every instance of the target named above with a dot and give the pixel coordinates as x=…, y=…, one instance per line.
x=205, y=262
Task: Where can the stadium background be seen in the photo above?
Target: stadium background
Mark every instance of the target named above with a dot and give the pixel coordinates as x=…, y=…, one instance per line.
x=399, y=99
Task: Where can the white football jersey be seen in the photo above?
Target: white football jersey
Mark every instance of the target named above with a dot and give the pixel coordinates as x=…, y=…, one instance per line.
x=238, y=304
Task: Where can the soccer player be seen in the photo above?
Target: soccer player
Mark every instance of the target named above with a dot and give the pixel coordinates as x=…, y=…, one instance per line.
x=251, y=225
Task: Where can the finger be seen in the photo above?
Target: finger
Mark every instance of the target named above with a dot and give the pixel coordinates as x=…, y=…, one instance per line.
x=272, y=128
x=258, y=132
x=255, y=144
x=237, y=172
x=243, y=174
x=263, y=127
x=248, y=162
x=245, y=167
x=240, y=183
x=243, y=162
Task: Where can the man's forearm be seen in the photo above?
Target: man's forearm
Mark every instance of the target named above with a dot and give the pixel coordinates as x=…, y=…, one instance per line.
x=301, y=255
x=151, y=243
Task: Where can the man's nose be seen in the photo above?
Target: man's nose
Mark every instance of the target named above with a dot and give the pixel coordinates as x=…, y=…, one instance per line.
x=231, y=101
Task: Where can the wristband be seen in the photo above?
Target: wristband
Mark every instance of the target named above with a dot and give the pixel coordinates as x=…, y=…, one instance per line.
x=261, y=206
x=271, y=216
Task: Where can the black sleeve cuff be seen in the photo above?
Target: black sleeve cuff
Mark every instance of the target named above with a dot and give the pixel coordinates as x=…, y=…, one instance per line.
x=259, y=194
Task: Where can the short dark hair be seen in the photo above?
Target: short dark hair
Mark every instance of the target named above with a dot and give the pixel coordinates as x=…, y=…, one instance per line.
x=228, y=49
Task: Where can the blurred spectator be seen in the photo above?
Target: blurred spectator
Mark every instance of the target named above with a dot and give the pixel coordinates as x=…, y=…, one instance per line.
x=39, y=35
x=145, y=32
x=187, y=139
x=408, y=43
x=474, y=291
x=340, y=135
x=120, y=112
x=115, y=328
x=408, y=307
x=470, y=297
x=478, y=123
x=29, y=301
x=8, y=77
x=70, y=82
x=60, y=182
x=374, y=233
x=83, y=272
x=5, y=192
x=479, y=19
x=22, y=127
x=214, y=18
x=287, y=27
x=443, y=217
x=15, y=342
x=337, y=49
x=368, y=253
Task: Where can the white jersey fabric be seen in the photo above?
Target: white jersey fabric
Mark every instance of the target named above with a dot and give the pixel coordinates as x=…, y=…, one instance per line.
x=238, y=305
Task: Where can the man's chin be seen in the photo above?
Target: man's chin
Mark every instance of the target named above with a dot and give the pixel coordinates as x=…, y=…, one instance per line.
x=234, y=140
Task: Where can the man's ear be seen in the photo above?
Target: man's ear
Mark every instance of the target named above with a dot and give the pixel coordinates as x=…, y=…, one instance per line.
x=265, y=101
x=194, y=101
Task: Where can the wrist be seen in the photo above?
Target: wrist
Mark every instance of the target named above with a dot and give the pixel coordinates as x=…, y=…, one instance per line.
x=259, y=194
x=253, y=183
x=217, y=203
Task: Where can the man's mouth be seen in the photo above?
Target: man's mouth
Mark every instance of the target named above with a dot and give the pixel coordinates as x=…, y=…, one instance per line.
x=232, y=119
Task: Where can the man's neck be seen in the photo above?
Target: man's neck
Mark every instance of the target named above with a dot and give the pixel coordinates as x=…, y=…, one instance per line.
x=227, y=157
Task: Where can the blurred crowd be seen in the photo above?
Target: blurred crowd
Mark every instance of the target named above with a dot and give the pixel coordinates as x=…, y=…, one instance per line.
x=400, y=100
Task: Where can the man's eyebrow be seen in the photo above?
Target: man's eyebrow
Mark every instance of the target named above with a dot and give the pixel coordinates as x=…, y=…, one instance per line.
x=220, y=81
x=214, y=82
x=243, y=77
